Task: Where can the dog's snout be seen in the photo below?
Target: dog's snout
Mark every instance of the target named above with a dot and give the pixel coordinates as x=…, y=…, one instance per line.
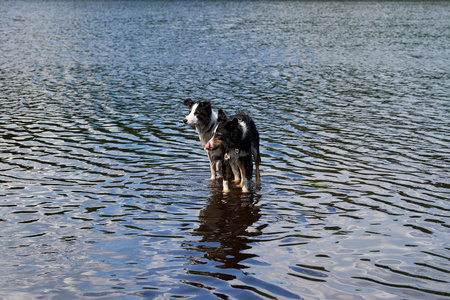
x=184, y=120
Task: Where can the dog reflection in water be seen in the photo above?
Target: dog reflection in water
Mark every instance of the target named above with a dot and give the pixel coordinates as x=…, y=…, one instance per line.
x=227, y=219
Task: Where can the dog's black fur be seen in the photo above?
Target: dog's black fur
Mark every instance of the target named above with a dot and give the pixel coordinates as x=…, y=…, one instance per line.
x=205, y=121
x=239, y=138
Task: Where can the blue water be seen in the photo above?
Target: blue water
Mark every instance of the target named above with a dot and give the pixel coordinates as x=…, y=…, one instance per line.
x=104, y=192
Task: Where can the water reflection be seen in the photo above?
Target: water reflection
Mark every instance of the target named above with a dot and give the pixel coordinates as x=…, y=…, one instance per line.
x=225, y=225
x=101, y=187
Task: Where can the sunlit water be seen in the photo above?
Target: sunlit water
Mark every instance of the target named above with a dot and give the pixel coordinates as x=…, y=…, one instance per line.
x=104, y=193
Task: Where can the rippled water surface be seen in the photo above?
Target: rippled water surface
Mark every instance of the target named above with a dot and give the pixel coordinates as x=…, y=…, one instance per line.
x=104, y=193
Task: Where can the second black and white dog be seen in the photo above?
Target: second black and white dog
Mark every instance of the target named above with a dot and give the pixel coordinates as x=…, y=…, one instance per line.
x=239, y=138
x=205, y=121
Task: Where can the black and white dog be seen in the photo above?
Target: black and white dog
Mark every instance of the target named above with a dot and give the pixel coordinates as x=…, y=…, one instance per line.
x=205, y=121
x=238, y=136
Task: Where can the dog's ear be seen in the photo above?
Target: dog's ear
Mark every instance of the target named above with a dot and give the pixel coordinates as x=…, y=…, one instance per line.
x=222, y=116
x=188, y=102
x=232, y=125
x=205, y=105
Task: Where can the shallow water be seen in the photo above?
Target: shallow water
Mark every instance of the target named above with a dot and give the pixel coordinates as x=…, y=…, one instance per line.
x=104, y=192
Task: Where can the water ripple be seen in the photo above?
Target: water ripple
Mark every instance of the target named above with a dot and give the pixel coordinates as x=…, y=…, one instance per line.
x=104, y=193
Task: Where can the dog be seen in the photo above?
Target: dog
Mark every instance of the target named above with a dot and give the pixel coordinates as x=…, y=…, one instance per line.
x=205, y=121
x=239, y=138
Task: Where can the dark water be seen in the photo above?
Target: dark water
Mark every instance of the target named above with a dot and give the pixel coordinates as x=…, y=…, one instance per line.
x=104, y=192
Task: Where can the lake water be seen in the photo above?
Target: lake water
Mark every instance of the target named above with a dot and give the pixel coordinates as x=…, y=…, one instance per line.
x=104, y=192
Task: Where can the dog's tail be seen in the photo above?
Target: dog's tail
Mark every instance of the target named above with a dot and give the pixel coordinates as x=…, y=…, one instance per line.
x=255, y=150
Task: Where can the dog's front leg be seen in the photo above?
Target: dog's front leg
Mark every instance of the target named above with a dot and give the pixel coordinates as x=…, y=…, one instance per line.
x=212, y=166
x=225, y=166
x=244, y=184
x=235, y=169
x=226, y=188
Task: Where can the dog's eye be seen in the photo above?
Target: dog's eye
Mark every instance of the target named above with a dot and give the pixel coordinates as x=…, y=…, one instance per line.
x=219, y=136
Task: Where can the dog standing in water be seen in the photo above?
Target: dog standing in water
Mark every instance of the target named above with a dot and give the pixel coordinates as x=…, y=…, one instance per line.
x=205, y=121
x=239, y=138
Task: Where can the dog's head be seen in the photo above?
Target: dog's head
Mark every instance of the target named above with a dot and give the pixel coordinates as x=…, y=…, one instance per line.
x=224, y=133
x=199, y=112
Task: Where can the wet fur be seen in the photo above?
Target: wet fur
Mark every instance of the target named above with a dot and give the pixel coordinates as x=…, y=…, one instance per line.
x=239, y=138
